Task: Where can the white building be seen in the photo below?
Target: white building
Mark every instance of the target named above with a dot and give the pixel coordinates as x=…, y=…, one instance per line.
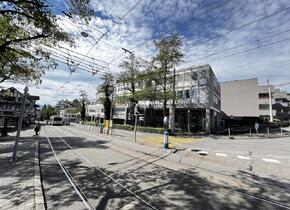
x=197, y=101
x=70, y=114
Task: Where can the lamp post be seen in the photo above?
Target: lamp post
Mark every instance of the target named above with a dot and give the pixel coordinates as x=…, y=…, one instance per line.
x=19, y=126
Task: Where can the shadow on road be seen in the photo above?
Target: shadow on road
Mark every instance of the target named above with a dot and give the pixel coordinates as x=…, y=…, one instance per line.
x=159, y=186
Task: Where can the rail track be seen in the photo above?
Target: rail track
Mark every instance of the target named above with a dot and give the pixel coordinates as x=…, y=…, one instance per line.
x=143, y=159
x=78, y=188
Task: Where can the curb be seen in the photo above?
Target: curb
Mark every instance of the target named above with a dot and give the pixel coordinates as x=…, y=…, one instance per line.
x=39, y=203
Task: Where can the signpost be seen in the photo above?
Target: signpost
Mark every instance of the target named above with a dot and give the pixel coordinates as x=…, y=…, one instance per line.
x=19, y=126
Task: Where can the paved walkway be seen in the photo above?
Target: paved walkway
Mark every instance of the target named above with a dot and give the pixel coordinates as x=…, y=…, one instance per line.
x=19, y=181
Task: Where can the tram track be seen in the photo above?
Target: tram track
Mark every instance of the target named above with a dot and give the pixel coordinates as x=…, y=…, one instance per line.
x=78, y=188
x=206, y=170
x=241, y=192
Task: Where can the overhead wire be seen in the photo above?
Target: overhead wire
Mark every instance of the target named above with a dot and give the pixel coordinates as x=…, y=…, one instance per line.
x=251, y=49
x=78, y=60
x=242, y=26
x=114, y=24
x=240, y=45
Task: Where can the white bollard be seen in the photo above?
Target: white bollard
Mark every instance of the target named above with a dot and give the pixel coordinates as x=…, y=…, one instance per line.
x=229, y=131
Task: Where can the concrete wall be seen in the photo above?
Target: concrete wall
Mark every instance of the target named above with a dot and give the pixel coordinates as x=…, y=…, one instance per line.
x=240, y=97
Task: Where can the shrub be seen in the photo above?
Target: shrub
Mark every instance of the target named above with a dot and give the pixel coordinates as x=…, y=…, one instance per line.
x=141, y=129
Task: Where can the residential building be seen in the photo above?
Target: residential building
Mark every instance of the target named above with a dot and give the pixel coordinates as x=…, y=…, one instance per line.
x=240, y=98
x=70, y=114
x=197, y=105
x=94, y=110
x=10, y=104
x=245, y=98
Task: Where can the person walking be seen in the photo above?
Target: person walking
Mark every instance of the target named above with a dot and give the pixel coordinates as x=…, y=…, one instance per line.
x=37, y=129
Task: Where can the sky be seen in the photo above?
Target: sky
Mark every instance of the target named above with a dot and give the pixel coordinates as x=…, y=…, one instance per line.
x=239, y=39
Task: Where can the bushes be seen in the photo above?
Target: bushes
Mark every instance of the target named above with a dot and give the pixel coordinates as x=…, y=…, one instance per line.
x=141, y=129
x=131, y=128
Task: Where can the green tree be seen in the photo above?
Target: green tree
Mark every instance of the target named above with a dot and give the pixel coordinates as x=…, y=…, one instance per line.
x=48, y=111
x=168, y=56
x=106, y=89
x=76, y=104
x=25, y=27
x=130, y=78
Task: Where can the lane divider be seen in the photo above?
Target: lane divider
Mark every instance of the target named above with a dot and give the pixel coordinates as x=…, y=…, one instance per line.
x=244, y=157
x=221, y=154
x=270, y=160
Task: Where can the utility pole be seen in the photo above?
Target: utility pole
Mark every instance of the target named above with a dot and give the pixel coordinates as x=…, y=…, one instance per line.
x=19, y=126
x=111, y=113
x=135, y=127
x=188, y=121
x=270, y=102
x=172, y=113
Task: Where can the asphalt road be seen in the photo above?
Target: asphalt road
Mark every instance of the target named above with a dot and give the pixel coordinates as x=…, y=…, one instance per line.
x=114, y=173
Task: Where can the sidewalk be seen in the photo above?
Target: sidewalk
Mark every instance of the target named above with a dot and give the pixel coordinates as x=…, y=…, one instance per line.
x=20, y=186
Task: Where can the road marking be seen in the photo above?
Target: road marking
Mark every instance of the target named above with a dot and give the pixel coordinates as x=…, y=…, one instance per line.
x=243, y=157
x=271, y=160
x=202, y=152
x=221, y=154
x=129, y=205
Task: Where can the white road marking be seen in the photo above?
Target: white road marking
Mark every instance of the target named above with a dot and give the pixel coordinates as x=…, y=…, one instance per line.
x=243, y=157
x=271, y=160
x=202, y=152
x=129, y=205
x=221, y=154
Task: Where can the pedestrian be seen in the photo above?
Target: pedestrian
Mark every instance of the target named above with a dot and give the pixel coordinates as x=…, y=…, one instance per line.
x=37, y=129
x=257, y=127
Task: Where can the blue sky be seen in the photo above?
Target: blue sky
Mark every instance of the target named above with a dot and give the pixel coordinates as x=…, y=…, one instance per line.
x=266, y=56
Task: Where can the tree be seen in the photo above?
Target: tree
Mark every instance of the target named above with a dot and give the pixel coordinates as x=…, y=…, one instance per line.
x=130, y=76
x=83, y=100
x=106, y=89
x=168, y=56
x=76, y=104
x=25, y=27
x=47, y=111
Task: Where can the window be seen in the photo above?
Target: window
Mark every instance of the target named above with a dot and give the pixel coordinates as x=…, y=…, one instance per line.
x=186, y=93
x=263, y=95
x=194, y=75
x=180, y=94
x=193, y=93
x=264, y=106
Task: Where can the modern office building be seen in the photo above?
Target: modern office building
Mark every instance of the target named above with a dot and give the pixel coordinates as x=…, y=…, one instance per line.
x=197, y=105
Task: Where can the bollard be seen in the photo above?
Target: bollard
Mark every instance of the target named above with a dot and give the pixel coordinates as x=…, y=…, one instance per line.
x=165, y=140
x=250, y=131
x=281, y=129
x=229, y=131
x=268, y=131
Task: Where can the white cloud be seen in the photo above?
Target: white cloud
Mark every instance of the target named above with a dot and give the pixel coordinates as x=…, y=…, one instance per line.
x=196, y=21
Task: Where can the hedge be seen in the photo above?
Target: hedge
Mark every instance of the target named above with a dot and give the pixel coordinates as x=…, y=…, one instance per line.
x=131, y=128
x=139, y=128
